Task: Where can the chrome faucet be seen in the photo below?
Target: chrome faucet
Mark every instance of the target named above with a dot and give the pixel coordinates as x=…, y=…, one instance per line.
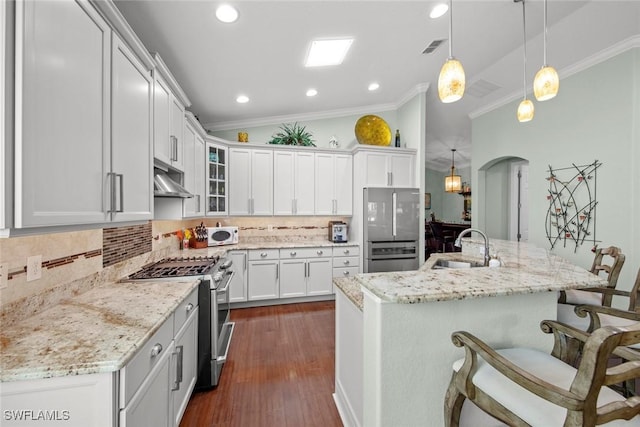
x=458, y=242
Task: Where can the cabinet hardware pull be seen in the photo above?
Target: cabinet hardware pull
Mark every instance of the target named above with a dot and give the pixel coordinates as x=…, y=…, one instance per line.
x=179, y=352
x=307, y=269
x=293, y=253
x=189, y=307
x=346, y=272
x=277, y=271
x=263, y=254
x=346, y=262
x=320, y=252
x=112, y=192
x=121, y=192
x=156, y=350
x=346, y=251
x=244, y=259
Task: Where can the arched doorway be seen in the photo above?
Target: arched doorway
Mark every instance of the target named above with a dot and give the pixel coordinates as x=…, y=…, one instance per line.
x=503, y=198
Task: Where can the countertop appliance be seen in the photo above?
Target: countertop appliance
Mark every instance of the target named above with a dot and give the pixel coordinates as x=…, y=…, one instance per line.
x=391, y=229
x=222, y=235
x=214, y=326
x=338, y=232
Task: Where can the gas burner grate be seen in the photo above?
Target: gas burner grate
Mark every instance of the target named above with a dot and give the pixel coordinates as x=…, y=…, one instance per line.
x=176, y=267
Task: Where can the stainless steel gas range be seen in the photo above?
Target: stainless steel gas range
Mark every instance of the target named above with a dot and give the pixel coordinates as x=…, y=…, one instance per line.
x=214, y=326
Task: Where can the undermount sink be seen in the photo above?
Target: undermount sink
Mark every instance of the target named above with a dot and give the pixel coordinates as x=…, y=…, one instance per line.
x=446, y=263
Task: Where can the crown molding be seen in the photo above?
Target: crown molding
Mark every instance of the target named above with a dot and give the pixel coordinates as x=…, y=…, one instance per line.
x=588, y=62
x=329, y=114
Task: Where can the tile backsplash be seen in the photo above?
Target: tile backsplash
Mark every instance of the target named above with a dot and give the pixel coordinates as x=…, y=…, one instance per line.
x=103, y=254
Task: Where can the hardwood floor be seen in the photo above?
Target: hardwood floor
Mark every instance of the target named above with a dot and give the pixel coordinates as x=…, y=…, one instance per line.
x=280, y=371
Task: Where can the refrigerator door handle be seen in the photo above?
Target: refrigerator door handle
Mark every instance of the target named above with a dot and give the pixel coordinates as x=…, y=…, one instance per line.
x=394, y=204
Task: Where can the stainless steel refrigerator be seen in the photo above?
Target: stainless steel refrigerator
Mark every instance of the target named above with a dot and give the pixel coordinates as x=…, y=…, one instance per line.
x=391, y=229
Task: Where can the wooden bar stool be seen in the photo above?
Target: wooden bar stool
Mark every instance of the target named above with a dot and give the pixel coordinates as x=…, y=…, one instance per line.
x=526, y=387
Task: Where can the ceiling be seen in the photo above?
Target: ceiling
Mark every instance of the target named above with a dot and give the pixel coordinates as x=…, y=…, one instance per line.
x=262, y=54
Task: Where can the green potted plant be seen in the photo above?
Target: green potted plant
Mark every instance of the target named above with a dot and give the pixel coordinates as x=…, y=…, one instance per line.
x=292, y=135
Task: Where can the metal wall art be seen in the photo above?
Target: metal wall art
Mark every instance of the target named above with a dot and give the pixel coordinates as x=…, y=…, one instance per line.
x=571, y=218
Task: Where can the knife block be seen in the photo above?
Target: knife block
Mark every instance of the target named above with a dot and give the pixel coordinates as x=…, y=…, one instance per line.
x=195, y=244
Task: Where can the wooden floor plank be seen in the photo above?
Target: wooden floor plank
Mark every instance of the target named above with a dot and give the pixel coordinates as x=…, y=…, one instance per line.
x=280, y=371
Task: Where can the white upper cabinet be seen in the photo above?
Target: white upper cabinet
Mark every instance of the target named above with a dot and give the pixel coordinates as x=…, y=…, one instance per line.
x=250, y=181
x=194, y=167
x=62, y=158
x=83, y=119
x=333, y=184
x=293, y=189
x=385, y=166
x=169, y=102
x=131, y=142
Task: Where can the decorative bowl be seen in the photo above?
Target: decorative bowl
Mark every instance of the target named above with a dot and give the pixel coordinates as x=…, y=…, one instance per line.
x=372, y=130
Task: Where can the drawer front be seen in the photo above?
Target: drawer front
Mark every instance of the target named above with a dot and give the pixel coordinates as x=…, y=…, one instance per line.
x=346, y=251
x=294, y=253
x=263, y=254
x=145, y=359
x=345, y=271
x=184, y=310
x=346, y=261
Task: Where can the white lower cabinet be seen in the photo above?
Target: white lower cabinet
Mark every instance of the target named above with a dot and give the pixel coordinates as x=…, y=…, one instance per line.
x=346, y=261
x=155, y=386
x=149, y=406
x=238, y=285
x=186, y=363
x=78, y=400
x=305, y=272
x=263, y=281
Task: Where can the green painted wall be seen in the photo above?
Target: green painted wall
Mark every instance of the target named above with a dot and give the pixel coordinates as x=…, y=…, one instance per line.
x=594, y=117
x=447, y=207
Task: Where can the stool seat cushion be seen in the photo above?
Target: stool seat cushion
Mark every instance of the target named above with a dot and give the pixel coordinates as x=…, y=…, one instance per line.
x=578, y=297
x=531, y=408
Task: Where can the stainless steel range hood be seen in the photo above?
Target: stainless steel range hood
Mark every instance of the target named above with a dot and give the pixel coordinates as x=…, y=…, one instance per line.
x=164, y=186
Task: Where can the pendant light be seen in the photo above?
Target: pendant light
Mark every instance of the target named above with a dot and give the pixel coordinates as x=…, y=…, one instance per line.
x=526, y=108
x=451, y=81
x=546, y=82
x=452, y=183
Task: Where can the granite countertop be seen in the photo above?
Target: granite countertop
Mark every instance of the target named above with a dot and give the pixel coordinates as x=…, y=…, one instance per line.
x=352, y=288
x=94, y=332
x=276, y=243
x=524, y=268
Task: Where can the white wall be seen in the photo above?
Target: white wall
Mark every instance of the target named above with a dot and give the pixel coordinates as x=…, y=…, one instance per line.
x=594, y=117
x=343, y=128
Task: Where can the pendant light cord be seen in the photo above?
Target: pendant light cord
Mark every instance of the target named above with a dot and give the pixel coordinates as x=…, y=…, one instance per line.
x=524, y=38
x=544, y=50
x=450, y=29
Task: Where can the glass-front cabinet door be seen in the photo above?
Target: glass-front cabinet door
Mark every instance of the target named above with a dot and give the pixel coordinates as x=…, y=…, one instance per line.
x=216, y=180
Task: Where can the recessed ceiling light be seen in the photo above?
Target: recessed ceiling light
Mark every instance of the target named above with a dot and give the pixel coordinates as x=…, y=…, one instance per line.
x=438, y=10
x=327, y=52
x=373, y=86
x=242, y=99
x=226, y=13
x=312, y=92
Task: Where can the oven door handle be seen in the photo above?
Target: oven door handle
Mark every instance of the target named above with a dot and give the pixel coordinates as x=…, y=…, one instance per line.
x=226, y=286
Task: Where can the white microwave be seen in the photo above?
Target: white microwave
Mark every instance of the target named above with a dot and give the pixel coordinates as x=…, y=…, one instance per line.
x=222, y=235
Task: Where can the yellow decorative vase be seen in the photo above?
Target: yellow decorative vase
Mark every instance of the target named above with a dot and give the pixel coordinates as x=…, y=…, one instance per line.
x=372, y=130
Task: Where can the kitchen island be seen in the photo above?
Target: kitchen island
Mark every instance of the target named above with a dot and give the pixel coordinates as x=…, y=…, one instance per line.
x=393, y=345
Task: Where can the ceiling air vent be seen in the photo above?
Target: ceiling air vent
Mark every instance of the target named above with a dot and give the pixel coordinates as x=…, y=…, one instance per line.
x=433, y=46
x=481, y=88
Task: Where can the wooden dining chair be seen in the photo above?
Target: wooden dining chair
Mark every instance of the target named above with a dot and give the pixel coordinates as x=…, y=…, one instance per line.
x=576, y=316
x=608, y=260
x=527, y=387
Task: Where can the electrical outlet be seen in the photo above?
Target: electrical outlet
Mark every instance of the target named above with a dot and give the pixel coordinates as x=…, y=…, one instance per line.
x=269, y=227
x=4, y=274
x=34, y=267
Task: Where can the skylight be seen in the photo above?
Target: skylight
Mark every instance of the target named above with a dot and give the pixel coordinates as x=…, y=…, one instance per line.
x=327, y=52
